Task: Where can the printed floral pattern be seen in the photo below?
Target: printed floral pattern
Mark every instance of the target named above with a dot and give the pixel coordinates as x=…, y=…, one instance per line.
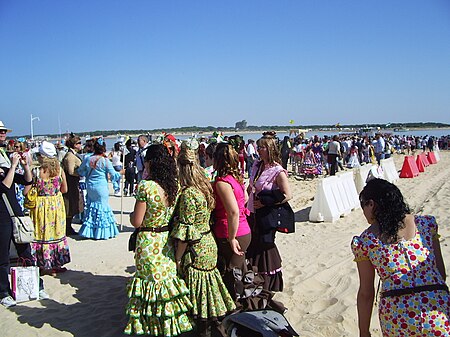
x=49, y=217
x=407, y=264
x=209, y=295
x=158, y=299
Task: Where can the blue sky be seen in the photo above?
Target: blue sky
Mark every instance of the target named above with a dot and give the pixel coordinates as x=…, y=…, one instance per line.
x=94, y=65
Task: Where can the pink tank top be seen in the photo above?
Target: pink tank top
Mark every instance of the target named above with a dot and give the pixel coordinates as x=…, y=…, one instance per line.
x=220, y=228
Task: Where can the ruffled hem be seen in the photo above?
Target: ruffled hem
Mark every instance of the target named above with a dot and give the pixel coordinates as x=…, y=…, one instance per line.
x=268, y=264
x=98, y=222
x=158, y=308
x=185, y=232
x=51, y=255
x=172, y=326
x=209, y=295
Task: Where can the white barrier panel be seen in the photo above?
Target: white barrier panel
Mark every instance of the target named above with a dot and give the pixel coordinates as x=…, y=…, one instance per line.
x=436, y=153
x=348, y=185
x=389, y=171
x=360, y=175
x=335, y=196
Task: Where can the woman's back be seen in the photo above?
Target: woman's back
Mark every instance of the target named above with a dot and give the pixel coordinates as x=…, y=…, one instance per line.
x=405, y=264
x=158, y=213
x=96, y=169
x=48, y=187
x=220, y=215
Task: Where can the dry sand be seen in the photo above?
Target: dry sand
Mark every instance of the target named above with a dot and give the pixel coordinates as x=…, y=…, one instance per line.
x=320, y=277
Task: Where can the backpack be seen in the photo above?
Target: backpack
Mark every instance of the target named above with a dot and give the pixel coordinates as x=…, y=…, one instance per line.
x=258, y=323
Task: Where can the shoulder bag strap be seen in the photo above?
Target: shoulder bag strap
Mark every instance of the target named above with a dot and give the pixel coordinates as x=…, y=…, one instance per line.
x=8, y=205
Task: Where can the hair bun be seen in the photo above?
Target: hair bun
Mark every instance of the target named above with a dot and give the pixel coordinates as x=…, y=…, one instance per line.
x=187, y=155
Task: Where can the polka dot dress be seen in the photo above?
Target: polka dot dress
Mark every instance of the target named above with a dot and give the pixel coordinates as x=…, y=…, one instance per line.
x=408, y=264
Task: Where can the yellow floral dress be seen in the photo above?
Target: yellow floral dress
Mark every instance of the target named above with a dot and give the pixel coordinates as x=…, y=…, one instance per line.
x=50, y=246
x=158, y=298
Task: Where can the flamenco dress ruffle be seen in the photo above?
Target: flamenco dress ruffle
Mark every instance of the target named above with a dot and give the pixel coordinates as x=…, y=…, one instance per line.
x=158, y=308
x=98, y=222
x=209, y=295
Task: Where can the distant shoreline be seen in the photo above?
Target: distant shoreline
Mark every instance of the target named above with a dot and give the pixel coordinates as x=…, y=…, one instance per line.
x=244, y=132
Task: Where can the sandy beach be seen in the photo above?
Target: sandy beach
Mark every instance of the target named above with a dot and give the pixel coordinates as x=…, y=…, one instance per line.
x=320, y=276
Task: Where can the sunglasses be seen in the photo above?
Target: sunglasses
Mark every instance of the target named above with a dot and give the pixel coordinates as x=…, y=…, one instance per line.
x=363, y=203
x=2, y=131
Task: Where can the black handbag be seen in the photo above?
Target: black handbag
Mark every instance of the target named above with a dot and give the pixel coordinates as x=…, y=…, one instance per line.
x=132, y=240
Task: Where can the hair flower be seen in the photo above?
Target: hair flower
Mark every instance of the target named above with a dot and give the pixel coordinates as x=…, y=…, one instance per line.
x=192, y=143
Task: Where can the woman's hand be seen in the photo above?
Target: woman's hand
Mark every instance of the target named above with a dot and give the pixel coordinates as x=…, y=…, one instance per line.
x=15, y=159
x=236, y=247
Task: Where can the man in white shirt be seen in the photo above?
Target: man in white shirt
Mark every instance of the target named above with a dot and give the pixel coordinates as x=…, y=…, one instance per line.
x=140, y=156
x=334, y=150
x=251, y=155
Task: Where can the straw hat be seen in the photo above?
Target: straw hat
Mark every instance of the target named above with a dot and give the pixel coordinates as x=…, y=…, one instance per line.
x=3, y=127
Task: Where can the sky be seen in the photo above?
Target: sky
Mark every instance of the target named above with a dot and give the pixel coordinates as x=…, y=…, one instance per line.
x=109, y=65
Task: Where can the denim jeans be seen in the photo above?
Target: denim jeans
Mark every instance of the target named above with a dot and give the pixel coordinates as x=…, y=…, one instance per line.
x=379, y=156
x=116, y=183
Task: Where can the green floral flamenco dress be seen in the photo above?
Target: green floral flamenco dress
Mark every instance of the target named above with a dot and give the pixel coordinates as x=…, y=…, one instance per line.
x=209, y=295
x=158, y=298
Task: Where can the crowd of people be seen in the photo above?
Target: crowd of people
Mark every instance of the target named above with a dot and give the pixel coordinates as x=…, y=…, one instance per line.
x=204, y=224
x=196, y=232
x=195, y=238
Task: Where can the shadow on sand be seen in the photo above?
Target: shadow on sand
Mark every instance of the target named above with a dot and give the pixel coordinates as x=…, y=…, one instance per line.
x=100, y=310
x=302, y=215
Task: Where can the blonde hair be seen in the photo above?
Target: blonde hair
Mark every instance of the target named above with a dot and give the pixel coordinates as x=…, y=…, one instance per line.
x=191, y=174
x=51, y=165
x=270, y=143
x=21, y=145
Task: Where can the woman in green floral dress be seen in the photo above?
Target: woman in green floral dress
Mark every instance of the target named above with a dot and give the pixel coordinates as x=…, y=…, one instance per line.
x=158, y=298
x=196, y=252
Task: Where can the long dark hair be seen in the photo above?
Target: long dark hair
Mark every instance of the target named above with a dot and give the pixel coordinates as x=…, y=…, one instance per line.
x=390, y=207
x=163, y=170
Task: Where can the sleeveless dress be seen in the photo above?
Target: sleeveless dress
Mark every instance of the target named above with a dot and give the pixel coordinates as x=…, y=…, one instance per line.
x=209, y=295
x=49, y=217
x=407, y=264
x=158, y=298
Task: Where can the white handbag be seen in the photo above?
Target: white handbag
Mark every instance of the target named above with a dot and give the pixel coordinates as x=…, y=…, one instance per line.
x=23, y=227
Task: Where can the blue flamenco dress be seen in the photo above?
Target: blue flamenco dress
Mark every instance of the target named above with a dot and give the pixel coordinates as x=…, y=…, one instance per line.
x=98, y=220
